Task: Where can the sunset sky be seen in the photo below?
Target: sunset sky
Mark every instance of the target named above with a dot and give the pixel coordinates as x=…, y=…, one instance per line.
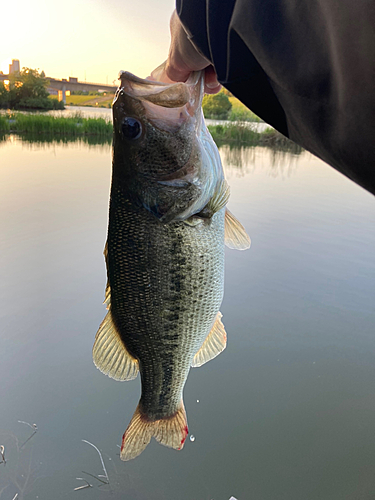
x=97, y=38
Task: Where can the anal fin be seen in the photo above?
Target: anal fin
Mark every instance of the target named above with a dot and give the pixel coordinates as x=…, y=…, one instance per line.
x=214, y=344
x=236, y=236
x=107, y=298
x=110, y=354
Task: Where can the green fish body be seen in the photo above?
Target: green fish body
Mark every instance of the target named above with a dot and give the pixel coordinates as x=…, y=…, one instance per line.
x=164, y=253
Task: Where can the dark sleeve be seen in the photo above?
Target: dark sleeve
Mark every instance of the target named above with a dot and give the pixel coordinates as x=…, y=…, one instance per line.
x=307, y=67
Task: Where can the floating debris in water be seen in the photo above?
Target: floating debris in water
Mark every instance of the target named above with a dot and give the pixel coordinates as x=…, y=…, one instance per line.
x=83, y=487
x=233, y=498
x=34, y=427
x=197, y=400
x=192, y=438
x=2, y=454
x=104, y=479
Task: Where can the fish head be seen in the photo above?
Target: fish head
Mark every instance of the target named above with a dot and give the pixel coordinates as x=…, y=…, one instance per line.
x=158, y=155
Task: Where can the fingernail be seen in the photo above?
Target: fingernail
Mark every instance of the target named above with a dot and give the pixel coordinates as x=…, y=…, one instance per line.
x=212, y=85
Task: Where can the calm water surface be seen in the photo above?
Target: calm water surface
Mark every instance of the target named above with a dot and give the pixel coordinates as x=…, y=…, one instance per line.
x=286, y=412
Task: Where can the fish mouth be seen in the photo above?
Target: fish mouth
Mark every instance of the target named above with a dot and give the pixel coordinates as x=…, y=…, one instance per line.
x=166, y=105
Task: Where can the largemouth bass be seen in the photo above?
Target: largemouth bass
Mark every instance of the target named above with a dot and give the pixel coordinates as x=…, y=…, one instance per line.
x=164, y=253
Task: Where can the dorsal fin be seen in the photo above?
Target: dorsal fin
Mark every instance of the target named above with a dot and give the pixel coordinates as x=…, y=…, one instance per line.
x=214, y=344
x=110, y=354
x=236, y=236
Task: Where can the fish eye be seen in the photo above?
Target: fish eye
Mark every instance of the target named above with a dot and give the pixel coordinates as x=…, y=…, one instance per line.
x=131, y=128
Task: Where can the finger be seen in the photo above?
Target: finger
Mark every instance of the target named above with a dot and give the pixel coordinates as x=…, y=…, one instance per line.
x=175, y=73
x=214, y=90
x=211, y=84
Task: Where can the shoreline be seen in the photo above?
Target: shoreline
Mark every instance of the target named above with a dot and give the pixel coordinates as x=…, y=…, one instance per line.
x=76, y=126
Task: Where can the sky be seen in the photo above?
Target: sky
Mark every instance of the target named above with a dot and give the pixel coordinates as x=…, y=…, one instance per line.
x=91, y=40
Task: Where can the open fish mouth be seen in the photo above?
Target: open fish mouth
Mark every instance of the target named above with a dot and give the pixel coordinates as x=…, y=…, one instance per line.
x=167, y=105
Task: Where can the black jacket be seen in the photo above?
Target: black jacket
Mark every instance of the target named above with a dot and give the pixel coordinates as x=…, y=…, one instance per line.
x=307, y=67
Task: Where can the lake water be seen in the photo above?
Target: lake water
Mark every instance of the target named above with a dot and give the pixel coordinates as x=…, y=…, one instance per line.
x=286, y=412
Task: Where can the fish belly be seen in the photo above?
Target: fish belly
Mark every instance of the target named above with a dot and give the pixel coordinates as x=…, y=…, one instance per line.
x=166, y=289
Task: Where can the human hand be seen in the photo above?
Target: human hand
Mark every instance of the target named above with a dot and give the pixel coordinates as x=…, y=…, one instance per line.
x=183, y=59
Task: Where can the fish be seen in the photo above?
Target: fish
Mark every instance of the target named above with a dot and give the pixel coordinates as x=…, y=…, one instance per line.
x=164, y=253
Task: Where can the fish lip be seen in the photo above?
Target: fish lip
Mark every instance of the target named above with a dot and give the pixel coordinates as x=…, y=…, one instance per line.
x=192, y=80
x=136, y=79
x=187, y=94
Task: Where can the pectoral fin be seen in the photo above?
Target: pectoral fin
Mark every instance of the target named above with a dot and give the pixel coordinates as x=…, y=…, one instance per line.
x=219, y=199
x=214, y=344
x=236, y=236
x=110, y=354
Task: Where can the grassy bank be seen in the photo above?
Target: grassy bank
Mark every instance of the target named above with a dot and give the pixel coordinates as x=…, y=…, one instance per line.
x=56, y=127
x=244, y=134
x=240, y=112
x=74, y=126
x=100, y=101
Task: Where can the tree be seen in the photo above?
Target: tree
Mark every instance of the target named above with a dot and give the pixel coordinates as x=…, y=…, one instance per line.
x=216, y=106
x=3, y=95
x=28, y=90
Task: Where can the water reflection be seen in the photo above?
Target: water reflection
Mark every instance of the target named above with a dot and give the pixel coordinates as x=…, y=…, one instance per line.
x=243, y=160
x=238, y=159
x=19, y=468
x=53, y=139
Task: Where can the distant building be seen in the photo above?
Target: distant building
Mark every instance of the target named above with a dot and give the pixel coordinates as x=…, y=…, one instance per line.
x=73, y=80
x=15, y=66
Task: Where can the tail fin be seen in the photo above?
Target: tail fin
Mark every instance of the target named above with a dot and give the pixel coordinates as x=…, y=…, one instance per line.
x=171, y=432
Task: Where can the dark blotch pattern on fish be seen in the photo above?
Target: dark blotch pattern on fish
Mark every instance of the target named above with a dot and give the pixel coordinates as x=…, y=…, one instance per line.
x=156, y=272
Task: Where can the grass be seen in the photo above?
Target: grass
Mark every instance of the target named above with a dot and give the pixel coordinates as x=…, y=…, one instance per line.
x=75, y=126
x=4, y=124
x=240, y=112
x=233, y=133
x=241, y=134
x=78, y=100
x=100, y=101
